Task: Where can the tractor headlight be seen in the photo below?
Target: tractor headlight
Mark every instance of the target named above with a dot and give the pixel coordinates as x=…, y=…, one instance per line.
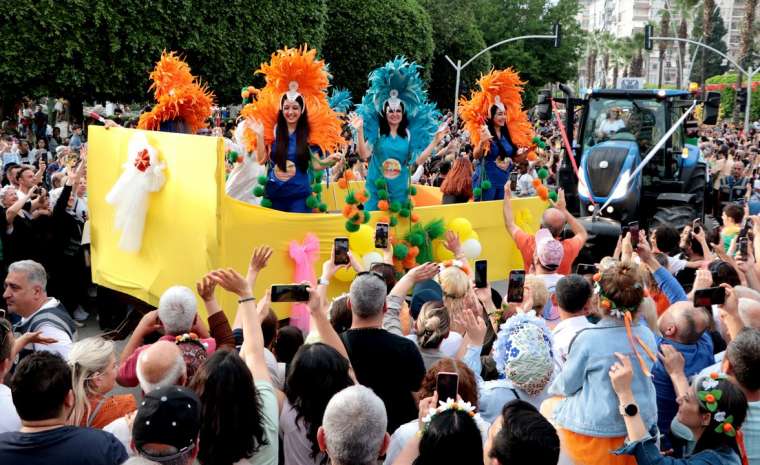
x=622, y=186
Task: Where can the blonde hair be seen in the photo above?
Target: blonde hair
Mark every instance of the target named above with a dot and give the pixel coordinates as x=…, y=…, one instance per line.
x=433, y=325
x=88, y=359
x=456, y=287
x=538, y=292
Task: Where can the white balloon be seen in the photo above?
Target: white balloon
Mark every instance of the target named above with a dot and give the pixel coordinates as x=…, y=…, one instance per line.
x=371, y=257
x=472, y=248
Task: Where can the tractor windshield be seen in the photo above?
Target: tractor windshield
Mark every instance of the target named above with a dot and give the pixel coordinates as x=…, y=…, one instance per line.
x=642, y=121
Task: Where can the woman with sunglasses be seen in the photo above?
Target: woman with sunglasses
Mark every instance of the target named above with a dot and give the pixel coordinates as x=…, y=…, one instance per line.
x=395, y=128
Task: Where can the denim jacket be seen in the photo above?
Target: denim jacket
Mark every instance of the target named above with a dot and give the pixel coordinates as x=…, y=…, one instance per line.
x=590, y=406
x=647, y=453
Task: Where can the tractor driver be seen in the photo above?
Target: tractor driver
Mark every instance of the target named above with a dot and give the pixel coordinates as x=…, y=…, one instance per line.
x=612, y=124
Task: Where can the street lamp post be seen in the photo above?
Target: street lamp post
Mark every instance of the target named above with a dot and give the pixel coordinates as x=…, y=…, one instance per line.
x=458, y=66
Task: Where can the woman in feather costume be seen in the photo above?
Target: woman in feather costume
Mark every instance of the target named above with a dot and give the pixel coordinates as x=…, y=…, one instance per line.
x=395, y=127
x=498, y=129
x=290, y=125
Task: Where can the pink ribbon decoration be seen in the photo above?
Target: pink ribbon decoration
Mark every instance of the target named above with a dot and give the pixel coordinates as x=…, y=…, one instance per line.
x=303, y=255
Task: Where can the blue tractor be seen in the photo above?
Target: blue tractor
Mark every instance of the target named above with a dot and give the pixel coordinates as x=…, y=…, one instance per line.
x=617, y=129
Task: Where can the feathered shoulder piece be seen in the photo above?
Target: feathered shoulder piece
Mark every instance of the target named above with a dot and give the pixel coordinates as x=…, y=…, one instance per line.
x=179, y=96
x=502, y=88
x=340, y=100
x=293, y=73
x=399, y=82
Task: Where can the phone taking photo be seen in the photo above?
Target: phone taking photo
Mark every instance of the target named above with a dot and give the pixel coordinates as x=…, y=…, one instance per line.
x=447, y=386
x=696, y=226
x=290, y=293
x=481, y=274
x=340, y=247
x=586, y=269
x=516, y=286
x=709, y=297
x=381, y=236
x=513, y=180
x=633, y=228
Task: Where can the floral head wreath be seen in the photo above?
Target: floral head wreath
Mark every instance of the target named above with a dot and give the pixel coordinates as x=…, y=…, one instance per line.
x=607, y=303
x=449, y=404
x=708, y=396
x=461, y=264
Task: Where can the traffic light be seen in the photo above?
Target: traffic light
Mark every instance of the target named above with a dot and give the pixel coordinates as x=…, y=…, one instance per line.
x=648, y=29
x=557, y=30
x=741, y=98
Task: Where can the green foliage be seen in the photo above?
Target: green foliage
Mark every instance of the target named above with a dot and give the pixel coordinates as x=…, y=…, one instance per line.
x=727, y=97
x=713, y=61
x=456, y=34
x=362, y=36
x=729, y=78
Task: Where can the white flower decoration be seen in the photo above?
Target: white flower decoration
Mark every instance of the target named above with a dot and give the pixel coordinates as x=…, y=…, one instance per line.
x=709, y=384
x=720, y=417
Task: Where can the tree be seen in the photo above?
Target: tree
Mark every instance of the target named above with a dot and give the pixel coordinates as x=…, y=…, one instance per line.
x=363, y=36
x=711, y=63
x=592, y=49
x=684, y=9
x=606, y=43
x=456, y=34
x=663, y=44
x=745, y=54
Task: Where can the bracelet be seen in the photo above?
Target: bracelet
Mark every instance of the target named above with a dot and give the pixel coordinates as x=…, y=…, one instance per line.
x=246, y=299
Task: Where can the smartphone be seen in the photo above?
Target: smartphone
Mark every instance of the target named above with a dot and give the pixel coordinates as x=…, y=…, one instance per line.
x=341, y=251
x=513, y=180
x=709, y=297
x=633, y=228
x=586, y=268
x=743, y=245
x=447, y=386
x=696, y=226
x=515, y=286
x=290, y=293
x=481, y=274
x=381, y=236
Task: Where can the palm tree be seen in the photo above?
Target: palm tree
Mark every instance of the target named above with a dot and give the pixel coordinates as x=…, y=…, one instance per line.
x=592, y=49
x=746, y=50
x=606, y=44
x=684, y=9
x=637, y=63
x=663, y=44
x=708, y=6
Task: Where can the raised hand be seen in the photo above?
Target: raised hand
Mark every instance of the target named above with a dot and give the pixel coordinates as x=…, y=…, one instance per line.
x=355, y=121
x=231, y=281
x=205, y=288
x=672, y=359
x=621, y=374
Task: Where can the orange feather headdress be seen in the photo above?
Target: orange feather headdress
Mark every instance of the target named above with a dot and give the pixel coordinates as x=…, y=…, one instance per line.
x=294, y=72
x=502, y=87
x=179, y=95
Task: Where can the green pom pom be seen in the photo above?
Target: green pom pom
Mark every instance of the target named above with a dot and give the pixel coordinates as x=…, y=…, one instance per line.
x=381, y=184
x=541, y=144
x=312, y=202
x=382, y=194
x=413, y=190
x=536, y=139
x=394, y=221
x=485, y=185
x=395, y=206
x=367, y=217
x=262, y=179
x=318, y=177
x=416, y=239
x=400, y=251
x=435, y=229
x=323, y=207
x=232, y=156
x=351, y=198
x=553, y=195
x=477, y=192
x=266, y=203
x=404, y=213
x=351, y=227
x=316, y=188
x=258, y=191
x=356, y=217
x=407, y=205
x=543, y=173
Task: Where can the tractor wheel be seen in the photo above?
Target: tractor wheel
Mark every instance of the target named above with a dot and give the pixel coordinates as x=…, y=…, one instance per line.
x=677, y=216
x=697, y=184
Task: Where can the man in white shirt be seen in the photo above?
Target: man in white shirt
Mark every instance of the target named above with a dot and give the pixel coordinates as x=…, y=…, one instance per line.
x=611, y=124
x=9, y=419
x=26, y=295
x=573, y=298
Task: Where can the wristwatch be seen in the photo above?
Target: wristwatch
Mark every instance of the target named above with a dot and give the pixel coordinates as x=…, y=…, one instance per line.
x=629, y=410
x=323, y=282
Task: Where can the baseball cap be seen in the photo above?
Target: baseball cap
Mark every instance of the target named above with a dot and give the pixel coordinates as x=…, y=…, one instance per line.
x=548, y=249
x=424, y=292
x=168, y=416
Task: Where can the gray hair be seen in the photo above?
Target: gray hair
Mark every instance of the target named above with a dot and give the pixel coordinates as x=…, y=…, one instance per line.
x=749, y=312
x=177, y=309
x=367, y=295
x=170, y=378
x=354, y=425
x=35, y=273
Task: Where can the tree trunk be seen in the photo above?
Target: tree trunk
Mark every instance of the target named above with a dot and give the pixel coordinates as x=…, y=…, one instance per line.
x=707, y=9
x=615, y=75
x=605, y=69
x=683, y=32
x=661, y=61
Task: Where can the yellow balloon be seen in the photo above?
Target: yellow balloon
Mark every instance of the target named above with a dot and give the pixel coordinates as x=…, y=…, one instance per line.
x=345, y=275
x=362, y=241
x=461, y=226
x=472, y=235
x=440, y=252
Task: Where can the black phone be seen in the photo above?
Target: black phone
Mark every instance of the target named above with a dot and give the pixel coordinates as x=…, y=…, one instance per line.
x=586, y=268
x=743, y=246
x=709, y=297
x=290, y=293
x=481, y=274
x=381, y=236
x=696, y=226
x=513, y=180
x=633, y=228
x=447, y=385
x=341, y=251
x=515, y=286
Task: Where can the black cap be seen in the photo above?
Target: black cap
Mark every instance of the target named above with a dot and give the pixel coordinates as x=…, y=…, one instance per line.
x=168, y=416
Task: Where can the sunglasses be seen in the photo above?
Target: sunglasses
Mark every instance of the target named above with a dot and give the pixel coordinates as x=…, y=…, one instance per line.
x=373, y=273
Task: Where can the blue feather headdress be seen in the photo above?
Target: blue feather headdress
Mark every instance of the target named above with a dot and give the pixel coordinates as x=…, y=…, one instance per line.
x=340, y=100
x=399, y=81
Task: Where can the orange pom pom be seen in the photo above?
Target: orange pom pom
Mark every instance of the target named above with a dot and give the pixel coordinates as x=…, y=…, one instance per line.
x=597, y=277
x=245, y=94
x=383, y=205
x=398, y=265
x=384, y=219
x=536, y=182
x=605, y=304
x=342, y=183
x=532, y=156
x=543, y=192
x=348, y=210
x=415, y=217
x=714, y=375
x=409, y=262
x=349, y=175
x=251, y=89
x=414, y=251
x=360, y=196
